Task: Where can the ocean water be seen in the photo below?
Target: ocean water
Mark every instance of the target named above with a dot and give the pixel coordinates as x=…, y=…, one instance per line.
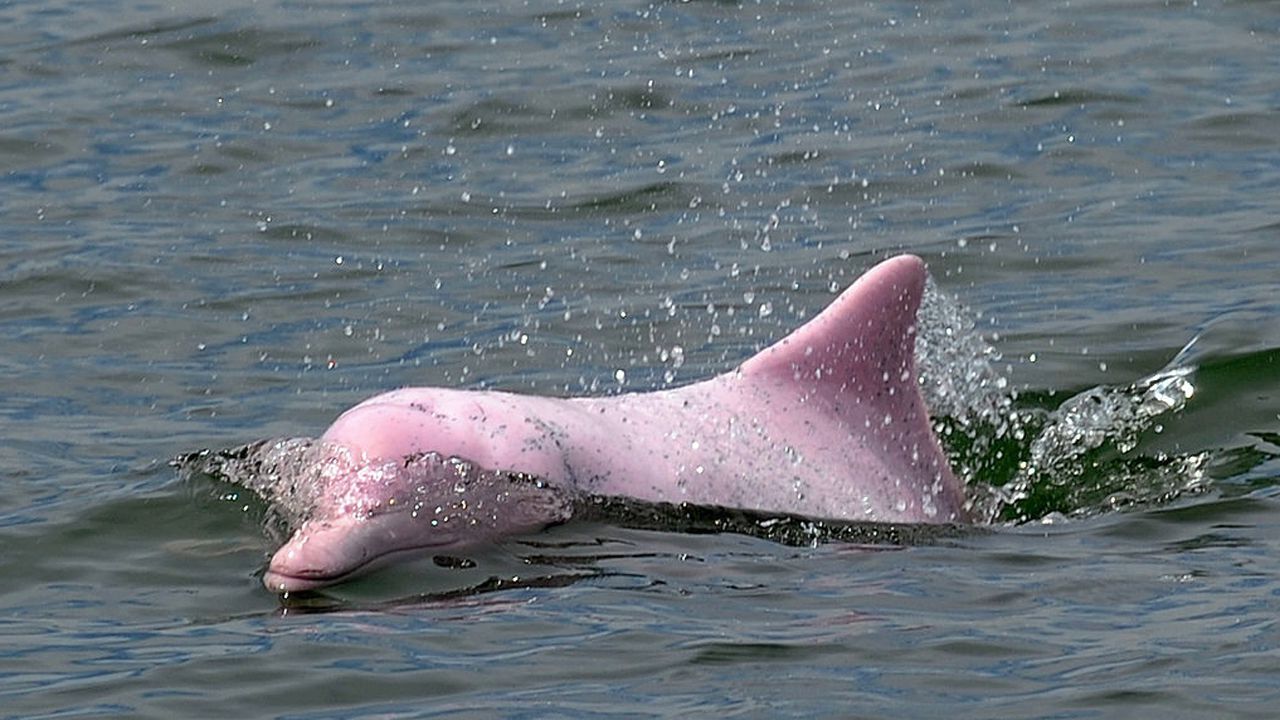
x=230, y=222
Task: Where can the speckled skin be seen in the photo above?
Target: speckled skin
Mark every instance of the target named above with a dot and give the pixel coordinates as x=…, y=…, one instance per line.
x=828, y=422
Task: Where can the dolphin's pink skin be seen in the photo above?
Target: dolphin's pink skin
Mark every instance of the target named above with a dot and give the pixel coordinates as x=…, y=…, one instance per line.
x=829, y=422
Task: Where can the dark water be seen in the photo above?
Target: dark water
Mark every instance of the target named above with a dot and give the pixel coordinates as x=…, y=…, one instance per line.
x=230, y=222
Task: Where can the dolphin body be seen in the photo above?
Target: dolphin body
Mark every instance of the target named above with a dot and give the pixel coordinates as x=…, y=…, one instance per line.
x=828, y=422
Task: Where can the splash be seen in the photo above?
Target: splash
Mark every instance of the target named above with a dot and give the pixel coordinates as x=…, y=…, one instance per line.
x=303, y=479
x=976, y=413
x=1023, y=459
x=282, y=472
x=1084, y=458
x=959, y=370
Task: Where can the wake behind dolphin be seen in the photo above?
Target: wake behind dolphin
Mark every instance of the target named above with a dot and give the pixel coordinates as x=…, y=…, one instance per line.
x=829, y=422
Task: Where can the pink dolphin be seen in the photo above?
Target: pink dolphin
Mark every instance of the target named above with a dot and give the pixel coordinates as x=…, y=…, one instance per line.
x=829, y=422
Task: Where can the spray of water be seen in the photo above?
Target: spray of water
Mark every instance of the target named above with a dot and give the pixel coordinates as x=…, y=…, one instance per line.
x=1025, y=460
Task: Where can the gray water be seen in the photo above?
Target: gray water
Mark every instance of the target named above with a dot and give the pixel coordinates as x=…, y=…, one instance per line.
x=231, y=221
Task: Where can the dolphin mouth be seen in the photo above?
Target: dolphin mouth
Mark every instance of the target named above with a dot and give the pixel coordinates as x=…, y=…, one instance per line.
x=289, y=583
x=280, y=578
x=330, y=551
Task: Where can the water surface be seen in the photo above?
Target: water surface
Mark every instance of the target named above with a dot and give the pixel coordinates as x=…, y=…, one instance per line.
x=231, y=222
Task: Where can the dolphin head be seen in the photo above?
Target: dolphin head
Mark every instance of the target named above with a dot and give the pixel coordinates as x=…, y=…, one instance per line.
x=349, y=513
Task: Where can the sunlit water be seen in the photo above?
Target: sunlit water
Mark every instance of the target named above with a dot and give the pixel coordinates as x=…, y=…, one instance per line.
x=229, y=223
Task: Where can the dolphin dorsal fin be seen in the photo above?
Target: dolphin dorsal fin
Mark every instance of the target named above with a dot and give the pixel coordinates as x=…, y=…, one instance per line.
x=863, y=342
